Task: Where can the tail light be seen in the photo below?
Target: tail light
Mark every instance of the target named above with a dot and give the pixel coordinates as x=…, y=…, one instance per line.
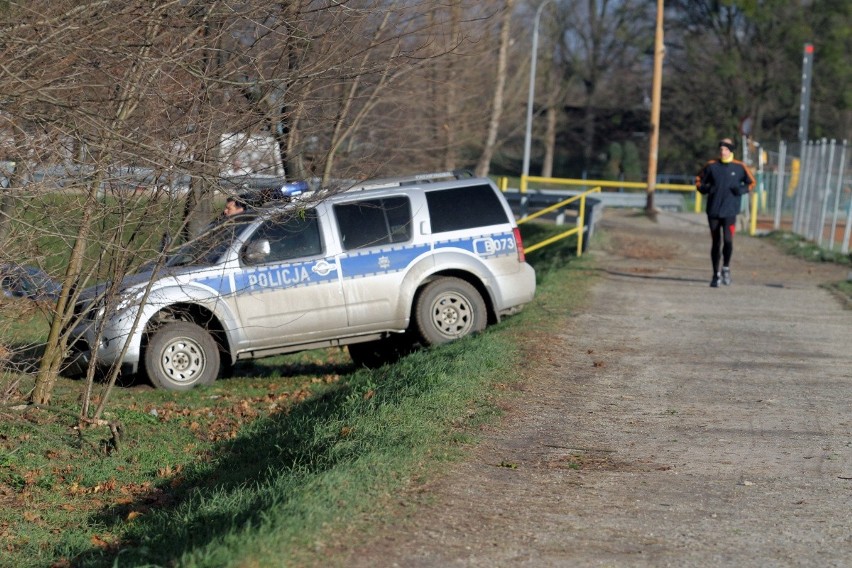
x=519, y=244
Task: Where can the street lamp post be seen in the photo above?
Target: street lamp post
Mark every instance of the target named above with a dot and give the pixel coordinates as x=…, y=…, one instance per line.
x=527, y=138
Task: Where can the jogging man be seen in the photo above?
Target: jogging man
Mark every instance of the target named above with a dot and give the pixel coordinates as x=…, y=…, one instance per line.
x=724, y=182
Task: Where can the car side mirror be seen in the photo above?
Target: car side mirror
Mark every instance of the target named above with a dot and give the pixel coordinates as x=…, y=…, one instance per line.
x=257, y=251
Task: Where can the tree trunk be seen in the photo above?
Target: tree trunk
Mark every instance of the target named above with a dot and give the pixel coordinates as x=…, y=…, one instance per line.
x=198, y=207
x=54, y=349
x=549, y=142
x=484, y=164
x=451, y=96
x=554, y=89
x=129, y=91
x=287, y=132
x=588, y=132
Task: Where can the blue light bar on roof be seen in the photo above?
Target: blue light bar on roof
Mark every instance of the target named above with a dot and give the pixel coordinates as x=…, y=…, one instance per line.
x=294, y=188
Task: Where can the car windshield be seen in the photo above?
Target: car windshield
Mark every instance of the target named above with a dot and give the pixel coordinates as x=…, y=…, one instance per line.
x=207, y=249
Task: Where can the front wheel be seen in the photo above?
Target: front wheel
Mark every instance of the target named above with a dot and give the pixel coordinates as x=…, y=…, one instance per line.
x=449, y=309
x=180, y=356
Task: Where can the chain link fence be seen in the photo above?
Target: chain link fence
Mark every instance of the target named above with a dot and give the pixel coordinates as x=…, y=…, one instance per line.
x=806, y=189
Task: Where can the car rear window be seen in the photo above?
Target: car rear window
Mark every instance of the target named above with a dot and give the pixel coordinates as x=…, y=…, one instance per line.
x=374, y=222
x=464, y=208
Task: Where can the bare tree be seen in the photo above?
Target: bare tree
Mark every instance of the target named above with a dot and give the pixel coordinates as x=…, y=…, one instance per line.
x=554, y=92
x=603, y=41
x=118, y=110
x=484, y=163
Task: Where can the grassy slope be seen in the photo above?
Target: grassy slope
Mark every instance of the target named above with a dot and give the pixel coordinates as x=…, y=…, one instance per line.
x=281, y=464
x=262, y=468
x=795, y=245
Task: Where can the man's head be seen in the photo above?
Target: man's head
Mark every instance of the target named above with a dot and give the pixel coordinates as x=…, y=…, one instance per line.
x=726, y=149
x=233, y=206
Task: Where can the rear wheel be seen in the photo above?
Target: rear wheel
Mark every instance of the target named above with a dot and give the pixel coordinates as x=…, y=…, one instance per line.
x=180, y=356
x=449, y=309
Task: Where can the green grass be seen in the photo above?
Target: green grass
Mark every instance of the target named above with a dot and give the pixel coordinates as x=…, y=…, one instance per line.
x=800, y=247
x=277, y=466
x=795, y=245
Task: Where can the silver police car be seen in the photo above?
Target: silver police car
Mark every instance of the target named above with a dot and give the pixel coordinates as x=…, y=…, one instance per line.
x=379, y=267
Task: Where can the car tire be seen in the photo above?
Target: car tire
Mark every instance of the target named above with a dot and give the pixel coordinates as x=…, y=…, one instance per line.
x=448, y=309
x=180, y=356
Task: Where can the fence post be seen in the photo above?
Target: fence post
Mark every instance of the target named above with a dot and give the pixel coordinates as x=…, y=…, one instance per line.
x=825, y=193
x=814, y=156
x=847, y=233
x=837, y=193
x=779, y=183
x=581, y=219
x=752, y=222
x=801, y=191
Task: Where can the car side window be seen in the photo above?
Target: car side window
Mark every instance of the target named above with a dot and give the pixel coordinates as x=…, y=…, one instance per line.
x=296, y=236
x=464, y=208
x=374, y=222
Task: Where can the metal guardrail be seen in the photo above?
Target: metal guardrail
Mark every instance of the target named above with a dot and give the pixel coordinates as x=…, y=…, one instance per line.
x=599, y=184
x=525, y=180
x=579, y=230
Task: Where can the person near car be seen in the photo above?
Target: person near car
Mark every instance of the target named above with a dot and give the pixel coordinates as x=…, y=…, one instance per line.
x=724, y=181
x=233, y=206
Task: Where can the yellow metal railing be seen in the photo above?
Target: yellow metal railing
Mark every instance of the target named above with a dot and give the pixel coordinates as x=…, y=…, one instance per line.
x=578, y=230
x=598, y=186
x=613, y=184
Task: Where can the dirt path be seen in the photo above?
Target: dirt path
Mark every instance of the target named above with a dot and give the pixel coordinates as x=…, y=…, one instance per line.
x=671, y=424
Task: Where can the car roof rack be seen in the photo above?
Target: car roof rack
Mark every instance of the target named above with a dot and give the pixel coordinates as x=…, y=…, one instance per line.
x=411, y=179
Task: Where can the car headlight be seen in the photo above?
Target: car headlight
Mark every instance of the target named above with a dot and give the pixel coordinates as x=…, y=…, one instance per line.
x=115, y=305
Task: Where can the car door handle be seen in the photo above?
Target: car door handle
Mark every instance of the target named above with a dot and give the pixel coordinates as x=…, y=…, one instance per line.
x=323, y=267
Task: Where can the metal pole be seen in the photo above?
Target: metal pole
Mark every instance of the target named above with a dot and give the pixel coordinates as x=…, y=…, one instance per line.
x=779, y=183
x=798, y=189
x=528, y=138
x=847, y=232
x=657, y=82
x=825, y=194
x=837, y=193
x=805, y=104
x=814, y=195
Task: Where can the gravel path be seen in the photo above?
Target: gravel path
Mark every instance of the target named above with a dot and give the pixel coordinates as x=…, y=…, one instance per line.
x=670, y=424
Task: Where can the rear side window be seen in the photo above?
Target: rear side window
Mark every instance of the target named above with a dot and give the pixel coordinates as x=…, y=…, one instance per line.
x=374, y=222
x=464, y=208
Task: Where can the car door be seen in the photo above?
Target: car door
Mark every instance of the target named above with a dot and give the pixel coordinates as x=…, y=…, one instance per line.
x=376, y=235
x=288, y=287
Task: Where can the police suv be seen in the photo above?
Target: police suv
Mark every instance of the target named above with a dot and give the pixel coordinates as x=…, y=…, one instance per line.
x=385, y=264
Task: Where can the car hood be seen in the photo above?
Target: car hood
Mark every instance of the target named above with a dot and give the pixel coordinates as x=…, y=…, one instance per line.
x=135, y=282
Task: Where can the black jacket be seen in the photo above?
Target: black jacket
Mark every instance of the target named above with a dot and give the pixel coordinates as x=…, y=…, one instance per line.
x=724, y=184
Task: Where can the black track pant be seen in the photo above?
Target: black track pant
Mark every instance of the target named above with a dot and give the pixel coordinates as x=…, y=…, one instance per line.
x=722, y=233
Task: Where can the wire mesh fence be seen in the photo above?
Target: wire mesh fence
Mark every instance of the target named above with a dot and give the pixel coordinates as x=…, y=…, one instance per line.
x=806, y=189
